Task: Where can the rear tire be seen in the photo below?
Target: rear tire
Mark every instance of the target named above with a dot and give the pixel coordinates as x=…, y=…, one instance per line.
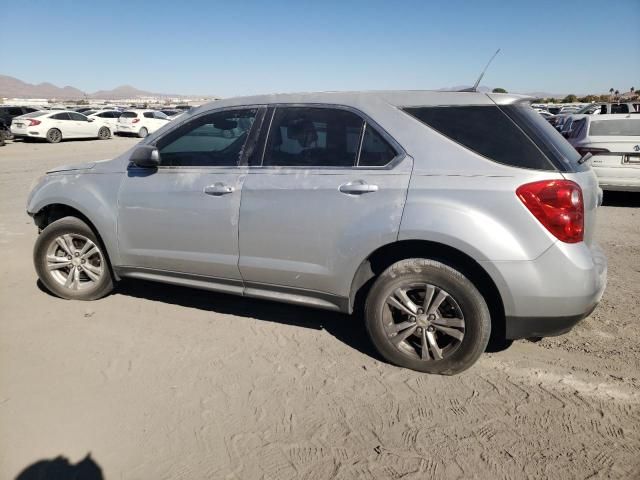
x=71, y=261
x=143, y=132
x=54, y=135
x=104, y=133
x=424, y=315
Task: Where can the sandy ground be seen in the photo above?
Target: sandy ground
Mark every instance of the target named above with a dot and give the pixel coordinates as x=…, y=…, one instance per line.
x=159, y=382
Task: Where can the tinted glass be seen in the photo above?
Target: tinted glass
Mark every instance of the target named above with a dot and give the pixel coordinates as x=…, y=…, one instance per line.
x=77, y=117
x=485, y=130
x=313, y=137
x=61, y=116
x=212, y=140
x=624, y=108
x=15, y=111
x=376, y=151
x=622, y=127
x=129, y=115
x=160, y=116
x=577, y=127
x=148, y=114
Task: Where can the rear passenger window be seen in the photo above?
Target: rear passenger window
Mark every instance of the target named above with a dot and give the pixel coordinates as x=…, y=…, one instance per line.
x=487, y=131
x=61, y=116
x=313, y=137
x=376, y=151
x=624, y=108
x=148, y=115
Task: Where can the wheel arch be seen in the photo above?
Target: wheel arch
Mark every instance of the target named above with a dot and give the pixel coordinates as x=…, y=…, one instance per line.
x=55, y=211
x=385, y=256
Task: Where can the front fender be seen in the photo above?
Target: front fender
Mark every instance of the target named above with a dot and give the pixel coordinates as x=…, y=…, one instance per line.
x=93, y=195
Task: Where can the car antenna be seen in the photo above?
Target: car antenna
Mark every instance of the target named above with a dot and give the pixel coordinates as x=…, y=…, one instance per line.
x=475, y=87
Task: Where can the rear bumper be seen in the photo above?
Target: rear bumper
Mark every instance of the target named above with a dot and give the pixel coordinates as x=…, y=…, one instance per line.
x=527, y=327
x=622, y=178
x=549, y=295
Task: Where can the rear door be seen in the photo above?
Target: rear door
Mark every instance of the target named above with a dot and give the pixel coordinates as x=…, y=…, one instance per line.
x=82, y=127
x=327, y=191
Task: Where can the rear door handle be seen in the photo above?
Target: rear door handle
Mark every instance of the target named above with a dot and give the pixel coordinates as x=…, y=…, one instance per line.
x=358, y=187
x=218, y=189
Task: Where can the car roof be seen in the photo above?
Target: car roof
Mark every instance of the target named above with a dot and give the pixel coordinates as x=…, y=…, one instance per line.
x=396, y=98
x=614, y=116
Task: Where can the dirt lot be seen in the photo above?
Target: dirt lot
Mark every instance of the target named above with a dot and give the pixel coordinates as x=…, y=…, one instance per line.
x=163, y=382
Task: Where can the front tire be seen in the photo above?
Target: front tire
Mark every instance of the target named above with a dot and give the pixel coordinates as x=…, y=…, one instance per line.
x=54, y=135
x=143, y=132
x=71, y=261
x=104, y=133
x=424, y=315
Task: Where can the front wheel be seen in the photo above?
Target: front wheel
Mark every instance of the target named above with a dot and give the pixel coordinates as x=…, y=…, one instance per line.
x=70, y=261
x=424, y=315
x=143, y=132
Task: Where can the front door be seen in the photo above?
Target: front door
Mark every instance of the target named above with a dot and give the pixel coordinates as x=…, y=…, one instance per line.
x=183, y=216
x=329, y=190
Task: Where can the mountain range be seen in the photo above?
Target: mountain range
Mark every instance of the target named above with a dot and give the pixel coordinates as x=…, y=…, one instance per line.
x=12, y=87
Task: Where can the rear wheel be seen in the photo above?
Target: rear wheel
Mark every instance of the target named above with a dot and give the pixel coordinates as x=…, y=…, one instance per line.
x=54, y=135
x=143, y=132
x=424, y=315
x=104, y=133
x=71, y=262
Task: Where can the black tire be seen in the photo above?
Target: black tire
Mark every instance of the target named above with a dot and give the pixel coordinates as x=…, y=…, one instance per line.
x=2, y=142
x=458, y=355
x=104, y=133
x=143, y=132
x=54, y=135
x=46, y=240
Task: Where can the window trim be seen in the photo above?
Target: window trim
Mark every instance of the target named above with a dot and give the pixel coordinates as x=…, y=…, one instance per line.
x=241, y=161
x=397, y=159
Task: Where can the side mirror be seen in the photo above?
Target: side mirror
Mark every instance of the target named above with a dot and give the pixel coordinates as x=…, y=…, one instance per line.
x=146, y=156
x=90, y=119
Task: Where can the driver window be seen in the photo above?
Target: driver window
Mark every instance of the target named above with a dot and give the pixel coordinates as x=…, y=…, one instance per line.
x=212, y=140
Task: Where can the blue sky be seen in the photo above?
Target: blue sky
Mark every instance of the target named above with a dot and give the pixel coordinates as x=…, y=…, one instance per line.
x=238, y=48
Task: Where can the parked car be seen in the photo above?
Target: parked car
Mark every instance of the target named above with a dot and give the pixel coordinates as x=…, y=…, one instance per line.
x=8, y=112
x=444, y=216
x=608, y=108
x=54, y=126
x=141, y=122
x=5, y=133
x=614, y=143
x=109, y=117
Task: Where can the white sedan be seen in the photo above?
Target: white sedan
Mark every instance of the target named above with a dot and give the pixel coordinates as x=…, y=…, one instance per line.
x=141, y=122
x=54, y=126
x=613, y=140
x=108, y=117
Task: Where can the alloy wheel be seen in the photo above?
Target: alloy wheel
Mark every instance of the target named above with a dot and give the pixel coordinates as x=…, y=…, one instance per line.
x=75, y=262
x=423, y=321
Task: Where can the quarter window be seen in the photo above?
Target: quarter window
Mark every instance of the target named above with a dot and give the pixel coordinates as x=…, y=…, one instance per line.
x=212, y=140
x=313, y=137
x=376, y=151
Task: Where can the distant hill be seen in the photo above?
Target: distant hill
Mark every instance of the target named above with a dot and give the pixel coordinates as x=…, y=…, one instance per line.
x=12, y=87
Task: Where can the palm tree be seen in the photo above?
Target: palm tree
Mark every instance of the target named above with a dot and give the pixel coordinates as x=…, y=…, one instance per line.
x=611, y=94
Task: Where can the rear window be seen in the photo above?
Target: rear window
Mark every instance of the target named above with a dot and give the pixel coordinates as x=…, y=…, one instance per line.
x=37, y=113
x=610, y=128
x=487, y=131
x=129, y=115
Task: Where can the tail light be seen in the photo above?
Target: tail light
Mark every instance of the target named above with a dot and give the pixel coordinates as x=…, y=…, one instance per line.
x=593, y=151
x=558, y=205
x=33, y=123
x=135, y=120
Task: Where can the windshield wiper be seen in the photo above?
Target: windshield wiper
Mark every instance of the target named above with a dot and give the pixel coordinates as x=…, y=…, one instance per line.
x=585, y=157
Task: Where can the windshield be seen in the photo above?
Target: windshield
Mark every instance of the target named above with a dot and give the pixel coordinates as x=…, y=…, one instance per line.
x=546, y=138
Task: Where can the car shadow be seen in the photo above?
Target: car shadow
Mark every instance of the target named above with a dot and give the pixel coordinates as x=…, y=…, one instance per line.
x=60, y=468
x=621, y=199
x=349, y=329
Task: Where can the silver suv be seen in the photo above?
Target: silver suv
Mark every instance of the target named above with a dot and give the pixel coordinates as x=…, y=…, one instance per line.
x=445, y=217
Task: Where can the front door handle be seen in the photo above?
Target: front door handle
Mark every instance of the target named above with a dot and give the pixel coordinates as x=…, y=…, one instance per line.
x=218, y=189
x=358, y=187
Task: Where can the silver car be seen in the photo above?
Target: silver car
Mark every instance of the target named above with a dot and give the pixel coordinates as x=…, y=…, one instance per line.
x=444, y=217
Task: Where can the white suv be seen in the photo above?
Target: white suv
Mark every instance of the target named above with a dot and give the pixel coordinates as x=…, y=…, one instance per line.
x=141, y=122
